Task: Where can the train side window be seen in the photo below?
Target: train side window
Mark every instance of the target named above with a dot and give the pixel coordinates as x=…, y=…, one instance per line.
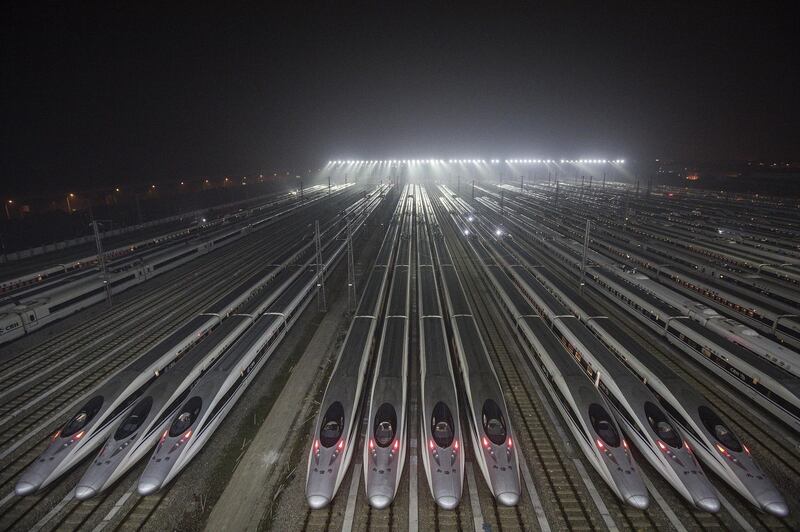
x=603, y=425
x=385, y=425
x=84, y=416
x=184, y=420
x=332, y=425
x=661, y=426
x=442, y=425
x=719, y=429
x=494, y=425
x=134, y=419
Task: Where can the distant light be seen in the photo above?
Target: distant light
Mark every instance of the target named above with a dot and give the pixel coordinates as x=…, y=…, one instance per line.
x=469, y=219
x=499, y=232
x=204, y=220
x=466, y=232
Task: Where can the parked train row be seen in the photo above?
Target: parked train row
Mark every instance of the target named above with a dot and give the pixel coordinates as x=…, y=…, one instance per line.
x=336, y=430
x=175, y=395
x=726, y=351
x=731, y=329
x=48, y=304
x=665, y=418
x=57, y=272
x=759, y=303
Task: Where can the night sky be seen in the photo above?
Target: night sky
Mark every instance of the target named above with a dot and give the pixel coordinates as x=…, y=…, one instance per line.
x=96, y=96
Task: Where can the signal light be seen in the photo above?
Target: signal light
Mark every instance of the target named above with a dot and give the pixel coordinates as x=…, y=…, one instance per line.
x=79, y=435
x=396, y=444
x=662, y=445
x=341, y=444
x=485, y=442
x=371, y=444
x=600, y=444
x=624, y=443
x=746, y=449
x=455, y=444
x=431, y=444
x=510, y=443
x=316, y=445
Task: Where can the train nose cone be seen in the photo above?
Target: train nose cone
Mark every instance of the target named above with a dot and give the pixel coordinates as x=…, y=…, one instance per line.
x=84, y=492
x=148, y=486
x=509, y=498
x=447, y=502
x=639, y=501
x=318, y=501
x=709, y=504
x=379, y=501
x=779, y=509
x=24, y=488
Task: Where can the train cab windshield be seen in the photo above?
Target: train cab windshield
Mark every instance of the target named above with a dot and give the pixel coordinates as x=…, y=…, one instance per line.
x=661, y=425
x=442, y=425
x=494, y=425
x=385, y=425
x=188, y=414
x=134, y=419
x=719, y=429
x=332, y=425
x=603, y=425
x=84, y=416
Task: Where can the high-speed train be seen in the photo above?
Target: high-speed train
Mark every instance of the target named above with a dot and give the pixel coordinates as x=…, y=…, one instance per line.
x=387, y=413
x=335, y=433
x=637, y=410
x=137, y=433
x=735, y=331
x=439, y=418
x=218, y=390
x=710, y=437
x=91, y=424
x=773, y=388
x=585, y=410
x=490, y=428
